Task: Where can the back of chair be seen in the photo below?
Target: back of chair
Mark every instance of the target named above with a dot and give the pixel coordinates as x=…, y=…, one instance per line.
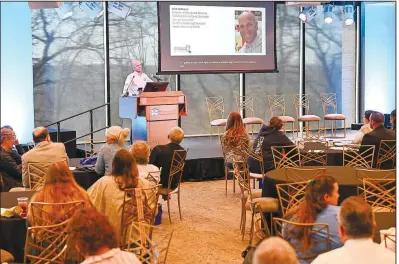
x=253, y=149
x=359, y=158
x=329, y=101
x=380, y=193
x=245, y=103
x=291, y=194
x=231, y=150
x=373, y=174
x=286, y=156
x=241, y=173
x=284, y=228
x=149, y=202
x=177, y=166
x=44, y=214
x=386, y=158
x=261, y=227
x=313, y=153
x=49, y=244
x=301, y=174
x=215, y=107
x=37, y=174
x=301, y=101
x=276, y=104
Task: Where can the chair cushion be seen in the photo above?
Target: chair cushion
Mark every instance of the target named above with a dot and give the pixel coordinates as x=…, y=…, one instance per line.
x=334, y=117
x=6, y=256
x=255, y=175
x=252, y=120
x=309, y=118
x=268, y=204
x=166, y=191
x=256, y=193
x=219, y=122
x=286, y=119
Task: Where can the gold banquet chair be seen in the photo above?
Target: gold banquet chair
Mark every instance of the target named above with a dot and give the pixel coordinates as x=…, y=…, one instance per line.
x=37, y=174
x=303, y=174
x=259, y=225
x=43, y=213
x=256, y=154
x=372, y=174
x=286, y=156
x=49, y=244
x=215, y=107
x=313, y=152
x=284, y=227
x=358, y=158
x=246, y=103
x=386, y=154
x=380, y=194
x=176, y=171
x=290, y=194
x=277, y=105
x=303, y=102
x=328, y=101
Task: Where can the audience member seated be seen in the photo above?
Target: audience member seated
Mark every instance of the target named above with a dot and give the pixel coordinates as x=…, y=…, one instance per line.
x=108, y=193
x=356, y=225
x=393, y=119
x=17, y=147
x=274, y=250
x=44, y=151
x=95, y=238
x=141, y=153
x=115, y=140
x=365, y=128
x=59, y=187
x=379, y=133
x=318, y=206
x=162, y=155
x=10, y=161
x=235, y=133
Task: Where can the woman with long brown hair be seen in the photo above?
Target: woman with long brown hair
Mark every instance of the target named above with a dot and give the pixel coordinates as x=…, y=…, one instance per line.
x=59, y=187
x=233, y=136
x=108, y=193
x=319, y=206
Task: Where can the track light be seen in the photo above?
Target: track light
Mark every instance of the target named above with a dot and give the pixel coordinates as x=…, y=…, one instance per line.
x=348, y=14
x=308, y=13
x=328, y=13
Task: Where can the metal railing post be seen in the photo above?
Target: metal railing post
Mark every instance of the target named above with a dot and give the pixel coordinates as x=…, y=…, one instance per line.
x=58, y=131
x=91, y=131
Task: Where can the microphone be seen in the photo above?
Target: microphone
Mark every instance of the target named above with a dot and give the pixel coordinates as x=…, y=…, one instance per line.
x=157, y=78
x=127, y=89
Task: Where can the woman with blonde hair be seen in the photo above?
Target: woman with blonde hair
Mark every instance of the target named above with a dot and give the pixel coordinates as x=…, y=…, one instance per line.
x=59, y=187
x=115, y=140
x=108, y=192
x=141, y=153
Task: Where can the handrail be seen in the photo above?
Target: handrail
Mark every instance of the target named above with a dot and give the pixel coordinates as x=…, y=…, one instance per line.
x=98, y=130
x=62, y=120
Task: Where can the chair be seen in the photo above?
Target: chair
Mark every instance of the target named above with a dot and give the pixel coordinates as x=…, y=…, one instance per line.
x=285, y=156
x=373, y=174
x=285, y=227
x=359, y=158
x=313, y=153
x=246, y=104
x=380, y=194
x=37, y=174
x=176, y=172
x=256, y=155
x=149, y=200
x=290, y=194
x=277, y=104
x=386, y=154
x=43, y=213
x=259, y=226
x=301, y=174
x=49, y=244
x=215, y=107
x=390, y=242
x=302, y=102
x=268, y=204
x=6, y=256
x=329, y=100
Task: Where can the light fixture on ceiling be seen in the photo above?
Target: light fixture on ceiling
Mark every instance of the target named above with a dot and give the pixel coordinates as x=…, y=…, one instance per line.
x=328, y=13
x=308, y=13
x=349, y=14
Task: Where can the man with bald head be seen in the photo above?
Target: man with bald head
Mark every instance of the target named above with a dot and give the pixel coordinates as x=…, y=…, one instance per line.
x=379, y=133
x=44, y=151
x=249, y=33
x=136, y=80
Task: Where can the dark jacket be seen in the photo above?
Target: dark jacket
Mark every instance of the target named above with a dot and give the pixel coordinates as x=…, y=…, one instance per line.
x=161, y=156
x=10, y=169
x=374, y=138
x=271, y=137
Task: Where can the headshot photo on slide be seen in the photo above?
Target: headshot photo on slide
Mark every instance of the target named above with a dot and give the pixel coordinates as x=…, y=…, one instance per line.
x=248, y=31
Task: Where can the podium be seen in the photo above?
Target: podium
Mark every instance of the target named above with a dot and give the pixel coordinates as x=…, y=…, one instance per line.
x=153, y=114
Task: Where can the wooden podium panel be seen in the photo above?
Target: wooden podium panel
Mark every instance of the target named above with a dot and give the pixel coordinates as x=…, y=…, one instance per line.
x=164, y=98
x=158, y=131
x=161, y=112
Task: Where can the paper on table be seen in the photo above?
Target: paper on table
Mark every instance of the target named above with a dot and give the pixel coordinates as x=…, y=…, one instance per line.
x=72, y=168
x=10, y=212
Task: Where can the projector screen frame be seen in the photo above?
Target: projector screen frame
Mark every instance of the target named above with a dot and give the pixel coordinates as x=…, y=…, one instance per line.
x=275, y=70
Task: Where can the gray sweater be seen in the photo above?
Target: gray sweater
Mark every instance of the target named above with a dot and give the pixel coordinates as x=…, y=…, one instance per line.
x=105, y=157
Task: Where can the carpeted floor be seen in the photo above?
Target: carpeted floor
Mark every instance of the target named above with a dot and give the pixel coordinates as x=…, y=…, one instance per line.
x=209, y=231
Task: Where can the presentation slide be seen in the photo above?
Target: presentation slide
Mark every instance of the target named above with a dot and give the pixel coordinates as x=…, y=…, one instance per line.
x=216, y=37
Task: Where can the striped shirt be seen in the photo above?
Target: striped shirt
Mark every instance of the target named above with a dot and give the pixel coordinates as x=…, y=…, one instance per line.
x=112, y=257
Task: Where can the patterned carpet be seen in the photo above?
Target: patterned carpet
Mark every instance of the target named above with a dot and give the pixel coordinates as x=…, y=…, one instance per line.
x=209, y=231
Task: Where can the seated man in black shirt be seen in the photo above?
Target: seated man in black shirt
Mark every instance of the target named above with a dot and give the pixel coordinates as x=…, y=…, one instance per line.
x=161, y=156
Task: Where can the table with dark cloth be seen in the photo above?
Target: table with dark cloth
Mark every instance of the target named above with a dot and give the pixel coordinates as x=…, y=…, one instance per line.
x=85, y=177
x=13, y=230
